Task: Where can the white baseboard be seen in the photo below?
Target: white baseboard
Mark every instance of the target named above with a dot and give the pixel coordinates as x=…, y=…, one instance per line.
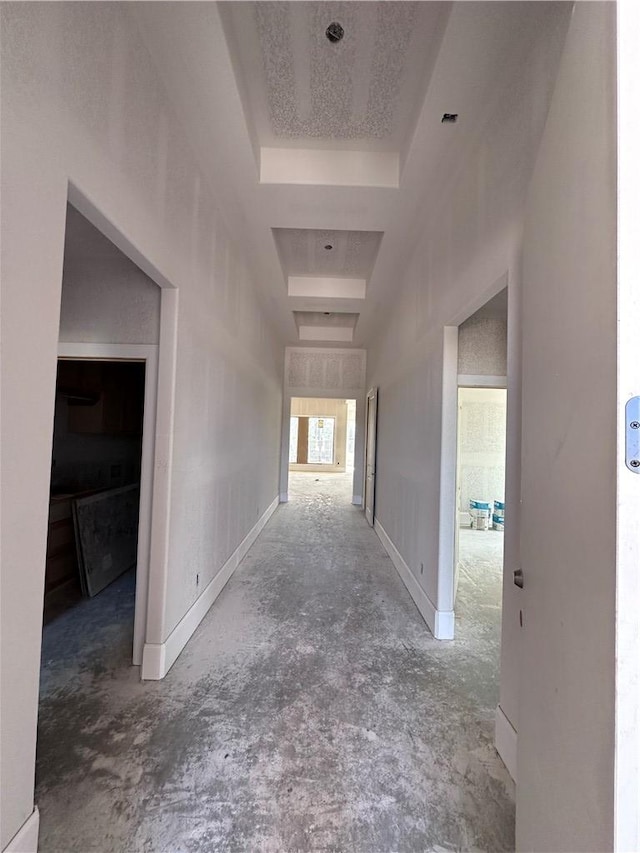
x=506, y=742
x=439, y=622
x=158, y=658
x=445, y=624
x=26, y=838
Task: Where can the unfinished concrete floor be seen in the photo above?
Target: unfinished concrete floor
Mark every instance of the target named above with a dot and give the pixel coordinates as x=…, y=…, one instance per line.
x=311, y=711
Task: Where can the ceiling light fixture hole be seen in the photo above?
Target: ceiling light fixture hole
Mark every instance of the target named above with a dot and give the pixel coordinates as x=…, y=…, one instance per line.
x=328, y=247
x=334, y=32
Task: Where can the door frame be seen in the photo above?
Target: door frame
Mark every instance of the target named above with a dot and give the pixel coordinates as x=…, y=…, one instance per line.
x=627, y=664
x=162, y=431
x=451, y=381
x=371, y=405
x=146, y=354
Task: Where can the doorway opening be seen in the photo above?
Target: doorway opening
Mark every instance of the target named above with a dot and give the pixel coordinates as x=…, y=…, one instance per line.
x=95, y=493
x=322, y=447
x=476, y=397
x=481, y=511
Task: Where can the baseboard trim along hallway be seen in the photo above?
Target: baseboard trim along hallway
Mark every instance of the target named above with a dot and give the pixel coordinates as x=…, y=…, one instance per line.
x=158, y=658
x=26, y=838
x=507, y=742
x=439, y=622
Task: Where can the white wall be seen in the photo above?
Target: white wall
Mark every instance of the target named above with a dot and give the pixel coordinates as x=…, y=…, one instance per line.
x=563, y=703
x=469, y=249
x=566, y=727
x=482, y=347
x=627, y=817
x=106, y=298
x=482, y=424
x=81, y=103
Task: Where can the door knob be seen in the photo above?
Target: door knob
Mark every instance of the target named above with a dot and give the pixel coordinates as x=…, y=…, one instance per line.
x=518, y=578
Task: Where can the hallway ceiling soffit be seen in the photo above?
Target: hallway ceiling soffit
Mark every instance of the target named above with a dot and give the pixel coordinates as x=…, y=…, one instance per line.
x=205, y=69
x=341, y=320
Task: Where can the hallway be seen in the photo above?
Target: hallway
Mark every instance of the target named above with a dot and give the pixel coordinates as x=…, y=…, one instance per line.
x=310, y=711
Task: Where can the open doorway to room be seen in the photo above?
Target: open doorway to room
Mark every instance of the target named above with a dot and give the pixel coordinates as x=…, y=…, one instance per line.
x=106, y=503
x=95, y=495
x=478, y=470
x=322, y=447
x=480, y=504
x=112, y=435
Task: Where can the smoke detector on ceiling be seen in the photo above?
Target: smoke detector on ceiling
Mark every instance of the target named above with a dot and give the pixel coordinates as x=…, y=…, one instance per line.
x=334, y=32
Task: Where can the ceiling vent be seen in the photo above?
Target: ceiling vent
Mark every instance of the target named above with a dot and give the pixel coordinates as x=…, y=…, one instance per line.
x=334, y=32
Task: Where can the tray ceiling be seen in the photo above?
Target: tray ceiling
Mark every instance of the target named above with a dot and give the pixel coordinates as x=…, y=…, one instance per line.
x=302, y=252
x=364, y=92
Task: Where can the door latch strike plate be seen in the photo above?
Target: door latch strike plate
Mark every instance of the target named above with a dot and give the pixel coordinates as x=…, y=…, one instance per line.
x=632, y=433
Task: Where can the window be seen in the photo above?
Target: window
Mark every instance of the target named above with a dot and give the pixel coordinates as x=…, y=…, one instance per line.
x=312, y=441
x=320, y=447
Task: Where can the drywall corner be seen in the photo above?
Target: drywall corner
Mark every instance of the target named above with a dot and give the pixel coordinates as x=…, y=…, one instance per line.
x=158, y=658
x=506, y=742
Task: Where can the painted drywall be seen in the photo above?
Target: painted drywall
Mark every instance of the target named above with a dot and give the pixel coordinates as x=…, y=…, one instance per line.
x=482, y=430
x=313, y=407
x=482, y=347
x=566, y=725
x=468, y=251
x=627, y=759
x=106, y=298
x=81, y=103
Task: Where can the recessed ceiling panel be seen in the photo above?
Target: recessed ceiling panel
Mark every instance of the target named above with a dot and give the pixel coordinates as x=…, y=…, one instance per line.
x=325, y=325
x=314, y=252
x=363, y=92
x=326, y=318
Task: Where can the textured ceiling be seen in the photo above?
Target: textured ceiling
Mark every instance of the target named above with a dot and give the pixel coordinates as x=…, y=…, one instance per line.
x=302, y=252
x=496, y=62
x=364, y=91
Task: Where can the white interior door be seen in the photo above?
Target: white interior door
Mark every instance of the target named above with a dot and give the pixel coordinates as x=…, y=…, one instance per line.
x=370, y=456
